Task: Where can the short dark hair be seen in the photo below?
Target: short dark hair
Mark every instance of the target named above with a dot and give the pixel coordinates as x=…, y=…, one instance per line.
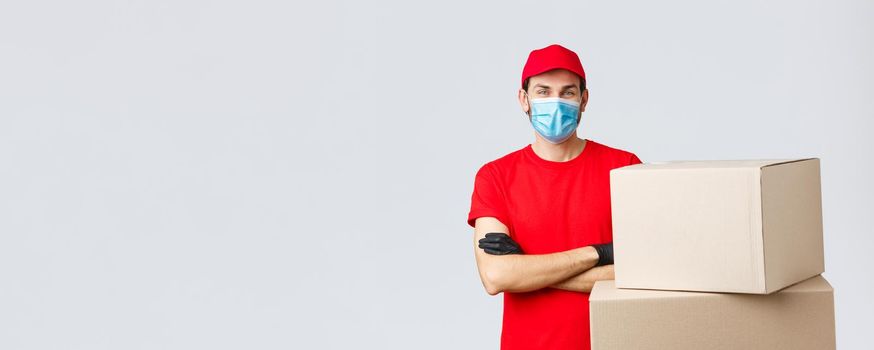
x=582, y=84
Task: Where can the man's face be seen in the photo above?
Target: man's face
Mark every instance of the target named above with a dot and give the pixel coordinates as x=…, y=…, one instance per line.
x=555, y=83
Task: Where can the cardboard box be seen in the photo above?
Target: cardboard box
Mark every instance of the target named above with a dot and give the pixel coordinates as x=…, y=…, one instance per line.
x=740, y=226
x=799, y=317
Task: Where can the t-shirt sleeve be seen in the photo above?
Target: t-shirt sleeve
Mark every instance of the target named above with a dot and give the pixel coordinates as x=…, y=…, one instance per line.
x=488, y=199
x=634, y=160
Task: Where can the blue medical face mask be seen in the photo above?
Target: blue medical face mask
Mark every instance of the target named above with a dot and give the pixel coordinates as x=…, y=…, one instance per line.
x=554, y=118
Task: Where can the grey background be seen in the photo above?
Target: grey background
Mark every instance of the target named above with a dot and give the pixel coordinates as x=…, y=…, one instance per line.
x=275, y=175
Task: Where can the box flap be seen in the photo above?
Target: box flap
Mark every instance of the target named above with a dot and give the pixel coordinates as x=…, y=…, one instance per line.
x=607, y=291
x=813, y=284
x=789, y=161
x=711, y=164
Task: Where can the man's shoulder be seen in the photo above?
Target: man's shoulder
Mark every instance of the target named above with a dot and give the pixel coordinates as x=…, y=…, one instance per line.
x=505, y=161
x=609, y=152
x=508, y=158
x=612, y=156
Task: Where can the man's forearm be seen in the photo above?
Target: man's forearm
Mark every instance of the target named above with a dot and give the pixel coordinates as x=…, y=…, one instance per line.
x=584, y=281
x=525, y=273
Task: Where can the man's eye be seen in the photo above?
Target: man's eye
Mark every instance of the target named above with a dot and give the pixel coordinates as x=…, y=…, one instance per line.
x=542, y=92
x=569, y=93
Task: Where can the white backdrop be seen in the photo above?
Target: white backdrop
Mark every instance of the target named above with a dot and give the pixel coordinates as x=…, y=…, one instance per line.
x=276, y=175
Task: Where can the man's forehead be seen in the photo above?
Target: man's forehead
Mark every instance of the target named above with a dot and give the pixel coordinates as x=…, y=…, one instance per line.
x=556, y=78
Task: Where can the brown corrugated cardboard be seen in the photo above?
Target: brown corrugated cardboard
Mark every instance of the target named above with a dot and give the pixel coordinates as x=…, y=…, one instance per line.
x=738, y=226
x=798, y=317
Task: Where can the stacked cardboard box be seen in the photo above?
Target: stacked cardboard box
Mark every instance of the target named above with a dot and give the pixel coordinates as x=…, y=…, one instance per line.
x=715, y=255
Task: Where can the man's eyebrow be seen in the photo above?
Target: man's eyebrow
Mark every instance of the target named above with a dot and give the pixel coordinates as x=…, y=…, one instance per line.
x=563, y=87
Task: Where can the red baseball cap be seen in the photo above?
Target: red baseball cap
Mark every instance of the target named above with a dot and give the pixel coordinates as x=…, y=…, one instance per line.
x=552, y=57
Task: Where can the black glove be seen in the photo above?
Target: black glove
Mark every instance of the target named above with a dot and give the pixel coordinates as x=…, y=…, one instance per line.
x=498, y=243
x=605, y=253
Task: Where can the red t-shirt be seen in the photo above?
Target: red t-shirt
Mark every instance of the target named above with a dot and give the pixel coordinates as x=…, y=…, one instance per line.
x=549, y=207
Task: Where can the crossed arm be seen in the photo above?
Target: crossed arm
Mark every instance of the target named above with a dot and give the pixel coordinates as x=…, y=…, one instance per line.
x=572, y=270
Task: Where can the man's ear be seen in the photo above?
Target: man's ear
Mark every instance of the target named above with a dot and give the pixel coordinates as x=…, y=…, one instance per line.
x=523, y=102
x=584, y=100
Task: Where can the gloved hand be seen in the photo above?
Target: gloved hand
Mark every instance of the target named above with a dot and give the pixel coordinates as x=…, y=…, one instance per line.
x=499, y=243
x=605, y=253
